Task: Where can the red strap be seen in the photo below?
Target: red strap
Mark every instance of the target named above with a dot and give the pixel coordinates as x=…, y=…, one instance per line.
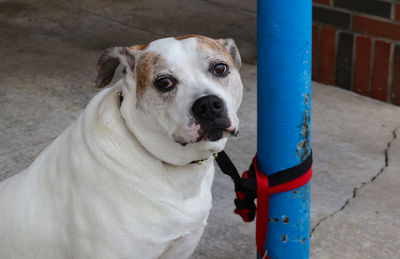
x=263, y=192
x=262, y=210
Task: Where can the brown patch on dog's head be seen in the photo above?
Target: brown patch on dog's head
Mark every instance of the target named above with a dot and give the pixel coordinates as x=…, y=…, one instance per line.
x=183, y=37
x=139, y=47
x=204, y=42
x=147, y=64
x=230, y=45
x=226, y=46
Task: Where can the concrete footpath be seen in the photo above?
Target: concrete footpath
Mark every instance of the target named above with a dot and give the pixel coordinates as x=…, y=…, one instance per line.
x=48, y=53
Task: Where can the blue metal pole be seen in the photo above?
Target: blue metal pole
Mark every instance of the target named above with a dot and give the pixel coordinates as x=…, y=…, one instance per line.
x=284, y=102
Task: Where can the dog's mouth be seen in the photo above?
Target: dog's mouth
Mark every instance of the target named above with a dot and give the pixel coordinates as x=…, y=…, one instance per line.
x=207, y=133
x=216, y=134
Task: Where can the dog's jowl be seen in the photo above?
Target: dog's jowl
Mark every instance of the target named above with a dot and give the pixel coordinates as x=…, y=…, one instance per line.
x=124, y=180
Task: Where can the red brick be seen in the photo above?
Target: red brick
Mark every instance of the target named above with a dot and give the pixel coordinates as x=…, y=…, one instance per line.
x=380, y=73
x=395, y=88
x=327, y=56
x=362, y=65
x=397, y=12
x=315, y=53
x=328, y=2
x=376, y=27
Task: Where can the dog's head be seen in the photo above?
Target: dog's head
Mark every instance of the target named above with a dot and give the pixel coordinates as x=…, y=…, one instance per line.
x=180, y=95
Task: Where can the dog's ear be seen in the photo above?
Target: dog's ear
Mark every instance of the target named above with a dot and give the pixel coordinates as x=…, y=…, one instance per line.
x=108, y=63
x=230, y=45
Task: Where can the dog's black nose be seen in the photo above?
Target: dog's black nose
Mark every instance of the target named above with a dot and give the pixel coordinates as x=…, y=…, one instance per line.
x=208, y=107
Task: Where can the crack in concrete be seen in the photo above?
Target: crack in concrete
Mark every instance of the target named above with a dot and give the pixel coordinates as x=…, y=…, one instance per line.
x=355, y=190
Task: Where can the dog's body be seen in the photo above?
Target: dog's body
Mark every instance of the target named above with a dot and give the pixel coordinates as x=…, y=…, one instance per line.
x=120, y=182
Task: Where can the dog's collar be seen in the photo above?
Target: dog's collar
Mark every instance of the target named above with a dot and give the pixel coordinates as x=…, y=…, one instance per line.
x=199, y=162
x=120, y=97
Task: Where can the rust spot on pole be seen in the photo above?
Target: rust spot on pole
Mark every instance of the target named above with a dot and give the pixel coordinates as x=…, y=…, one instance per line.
x=303, y=147
x=284, y=238
x=285, y=220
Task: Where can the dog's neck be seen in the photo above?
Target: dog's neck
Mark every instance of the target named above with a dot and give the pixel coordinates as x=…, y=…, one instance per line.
x=120, y=98
x=155, y=140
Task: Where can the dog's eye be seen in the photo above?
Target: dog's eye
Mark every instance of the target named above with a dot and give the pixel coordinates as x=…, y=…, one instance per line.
x=164, y=83
x=220, y=69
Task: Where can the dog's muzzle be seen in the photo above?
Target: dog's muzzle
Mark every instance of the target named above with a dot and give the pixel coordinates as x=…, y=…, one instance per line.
x=211, y=114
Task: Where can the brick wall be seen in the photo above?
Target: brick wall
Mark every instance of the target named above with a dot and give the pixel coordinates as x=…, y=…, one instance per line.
x=356, y=46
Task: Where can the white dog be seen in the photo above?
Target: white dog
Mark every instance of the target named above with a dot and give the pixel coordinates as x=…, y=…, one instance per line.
x=125, y=180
